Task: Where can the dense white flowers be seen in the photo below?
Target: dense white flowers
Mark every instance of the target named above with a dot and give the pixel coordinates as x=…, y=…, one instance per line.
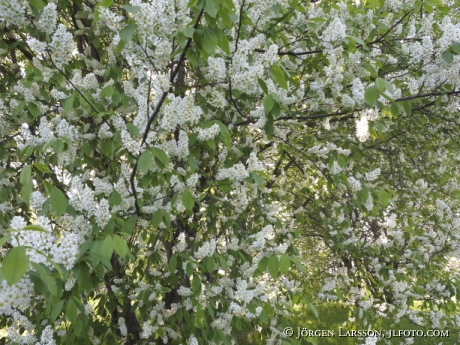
x=372, y=175
x=193, y=340
x=207, y=249
x=105, y=131
x=355, y=185
x=335, y=168
x=216, y=69
x=86, y=98
x=182, y=150
x=62, y=45
x=370, y=341
x=44, y=245
x=184, y=291
x=335, y=31
x=48, y=18
x=180, y=111
x=235, y=173
x=122, y=326
x=208, y=133
x=362, y=128
x=15, y=296
x=47, y=336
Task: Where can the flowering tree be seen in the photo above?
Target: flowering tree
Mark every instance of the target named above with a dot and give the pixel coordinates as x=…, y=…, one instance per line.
x=163, y=160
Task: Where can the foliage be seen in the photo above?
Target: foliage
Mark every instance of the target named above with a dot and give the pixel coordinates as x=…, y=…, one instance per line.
x=170, y=168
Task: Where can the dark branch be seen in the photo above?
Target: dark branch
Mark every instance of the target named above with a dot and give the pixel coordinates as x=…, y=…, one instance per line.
x=291, y=53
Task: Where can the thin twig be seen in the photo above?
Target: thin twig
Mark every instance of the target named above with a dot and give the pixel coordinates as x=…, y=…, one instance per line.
x=9, y=138
x=291, y=53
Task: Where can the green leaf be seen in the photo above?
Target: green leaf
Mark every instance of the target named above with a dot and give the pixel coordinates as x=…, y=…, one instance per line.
x=199, y=316
x=132, y=9
x=389, y=86
x=71, y=310
x=120, y=246
x=45, y=276
x=189, y=269
x=456, y=47
x=363, y=195
x=125, y=36
x=448, y=57
x=160, y=155
x=167, y=218
x=268, y=103
x=26, y=174
x=279, y=76
x=370, y=95
x=207, y=39
x=276, y=110
x=145, y=159
x=56, y=311
x=313, y=309
x=224, y=134
x=222, y=40
x=222, y=262
x=114, y=198
x=407, y=107
x=284, y=264
x=263, y=85
x=127, y=32
x=211, y=7
x=107, y=91
x=188, y=200
x=193, y=163
x=380, y=83
x=157, y=217
x=33, y=109
x=4, y=239
x=383, y=197
x=263, y=316
x=394, y=109
x=25, y=177
x=257, y=179
x=358, y=40
x=106, y=249
x=42, y=167
x=370, y=68
x=26, y=192
x=15, y=265
x=209, y=264
x=58, y=201
x=172, y=263
x=188, y=32
x=38, y=4
x=273, y=266
x=107, y=148
x=35, y=228
x=67, y=104
x=196, y=284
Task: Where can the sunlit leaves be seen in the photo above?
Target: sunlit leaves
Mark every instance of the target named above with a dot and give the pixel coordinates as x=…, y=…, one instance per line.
x=207, y=39
x=71, y=310
x=279, y=75
x=58, y=201
x=120, y=246
x=144, y=161
x=211, y=7
x=125, y=36
x=273, y=266
x=15, y=265
x=188, y=200
x=160, y=157
x=370, y=95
